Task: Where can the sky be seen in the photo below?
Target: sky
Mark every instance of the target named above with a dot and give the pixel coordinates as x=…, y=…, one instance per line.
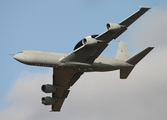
x=58, y=26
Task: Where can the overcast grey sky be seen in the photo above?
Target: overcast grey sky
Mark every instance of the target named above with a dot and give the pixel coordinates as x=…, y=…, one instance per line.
x=58, y=26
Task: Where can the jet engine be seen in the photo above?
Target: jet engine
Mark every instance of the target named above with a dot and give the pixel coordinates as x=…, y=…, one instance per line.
x=48, y=88
x=89, y=41
x=113, y=26
x=48, y=100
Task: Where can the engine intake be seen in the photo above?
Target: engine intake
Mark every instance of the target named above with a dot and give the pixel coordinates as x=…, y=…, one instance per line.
x=48, y=88
x=48, y=100
x=113, y=26
x=89, y=41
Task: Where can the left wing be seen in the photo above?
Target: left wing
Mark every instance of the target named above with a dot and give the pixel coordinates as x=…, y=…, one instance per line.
x=62, y=80
x=88, y=49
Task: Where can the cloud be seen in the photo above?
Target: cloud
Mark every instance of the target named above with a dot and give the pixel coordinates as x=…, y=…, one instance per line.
x=103, y=95
x=24, y=96
x=96, y=95
x=152, y=29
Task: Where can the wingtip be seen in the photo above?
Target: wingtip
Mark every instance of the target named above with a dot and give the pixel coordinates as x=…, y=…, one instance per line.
x=150, y=48
x=145, y=7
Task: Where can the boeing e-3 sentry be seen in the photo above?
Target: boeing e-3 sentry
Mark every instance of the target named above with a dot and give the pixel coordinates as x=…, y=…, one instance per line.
x=67, y=68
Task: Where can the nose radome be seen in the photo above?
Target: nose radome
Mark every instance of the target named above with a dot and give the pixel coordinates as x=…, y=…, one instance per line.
x=21, y=57
x=15, y=56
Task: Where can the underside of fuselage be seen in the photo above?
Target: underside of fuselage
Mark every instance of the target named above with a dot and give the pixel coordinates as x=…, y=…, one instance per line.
x=51, y=59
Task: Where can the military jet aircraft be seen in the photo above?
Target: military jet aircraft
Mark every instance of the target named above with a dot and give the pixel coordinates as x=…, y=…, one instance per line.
x=67, y=68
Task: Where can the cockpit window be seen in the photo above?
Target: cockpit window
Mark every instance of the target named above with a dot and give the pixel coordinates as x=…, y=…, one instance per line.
x=20, y=52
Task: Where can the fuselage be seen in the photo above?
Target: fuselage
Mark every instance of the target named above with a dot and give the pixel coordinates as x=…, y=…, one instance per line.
x=53, y=59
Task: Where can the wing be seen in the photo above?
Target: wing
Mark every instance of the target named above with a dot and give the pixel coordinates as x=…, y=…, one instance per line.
x=63, y=79
x=88, y=54
x=85, y=54
x=109, y=35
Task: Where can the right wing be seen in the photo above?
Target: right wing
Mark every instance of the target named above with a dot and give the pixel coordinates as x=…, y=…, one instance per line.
x=128, y=21
x=109, y=35
x=87, y=54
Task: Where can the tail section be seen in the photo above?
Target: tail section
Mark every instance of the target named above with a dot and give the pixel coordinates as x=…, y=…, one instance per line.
x=135, y=59
x=124, y=72
x=123, y=54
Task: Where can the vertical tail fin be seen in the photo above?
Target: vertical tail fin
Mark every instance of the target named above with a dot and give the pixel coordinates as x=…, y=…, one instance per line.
x=122, y=52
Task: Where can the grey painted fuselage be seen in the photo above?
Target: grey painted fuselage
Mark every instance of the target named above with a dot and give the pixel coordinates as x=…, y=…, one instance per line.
x=53, y=59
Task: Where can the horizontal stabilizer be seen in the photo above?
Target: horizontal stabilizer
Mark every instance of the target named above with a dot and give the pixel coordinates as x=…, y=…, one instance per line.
x=124, y=72
x=135, y=59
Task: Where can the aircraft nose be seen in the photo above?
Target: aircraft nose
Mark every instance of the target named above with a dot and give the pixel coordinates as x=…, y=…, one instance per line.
x=19, y=57
x=22, y=57
x=15, y=56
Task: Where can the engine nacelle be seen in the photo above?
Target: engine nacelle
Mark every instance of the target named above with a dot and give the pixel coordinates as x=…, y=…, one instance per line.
x=89, y=41
x=113, y=26
x=48, y=88
x=48, y=100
